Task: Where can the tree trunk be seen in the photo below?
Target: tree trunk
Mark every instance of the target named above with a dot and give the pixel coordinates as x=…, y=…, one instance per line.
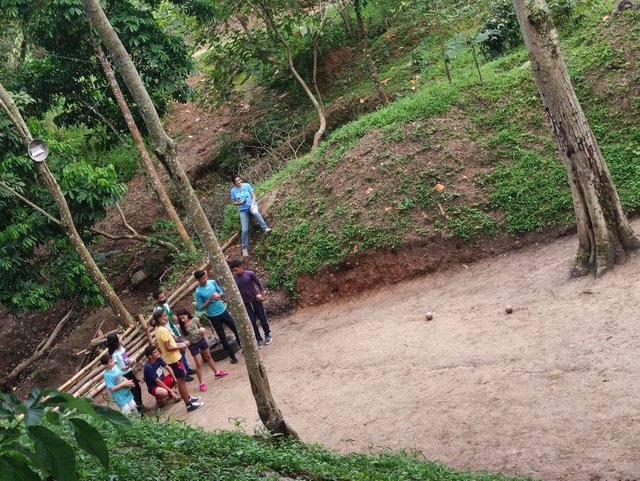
x=166, y=150
x=318, y=106
x=66, y=220
x=348, y=26
x=362, y=41
x=137, y=139
x=264, y=13
x=604, y=233
x=445, y=59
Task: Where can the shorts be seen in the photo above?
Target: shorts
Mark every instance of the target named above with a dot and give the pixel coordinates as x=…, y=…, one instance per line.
x=129, y=408
x=201, y=345
x=178, y=370
x=169, y=382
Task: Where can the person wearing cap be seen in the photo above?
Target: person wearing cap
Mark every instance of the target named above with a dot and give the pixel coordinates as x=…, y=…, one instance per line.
x=170, y=350
x=209, y=297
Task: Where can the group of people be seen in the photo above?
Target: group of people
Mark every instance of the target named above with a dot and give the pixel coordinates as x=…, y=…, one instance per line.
x=166, y=366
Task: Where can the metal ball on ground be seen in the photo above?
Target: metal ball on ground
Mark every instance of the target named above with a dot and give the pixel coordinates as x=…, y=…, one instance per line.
x=508, y=309
x=429, y=316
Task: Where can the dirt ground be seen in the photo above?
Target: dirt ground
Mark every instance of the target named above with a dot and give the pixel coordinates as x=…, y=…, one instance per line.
x=549, y=391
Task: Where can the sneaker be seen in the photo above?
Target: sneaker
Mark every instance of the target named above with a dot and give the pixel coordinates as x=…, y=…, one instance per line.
x=193, y=406
x=203, y=387
x=267, y=230
x=194, y=399
x=267, y=340
x=245, y=252
x=188, y=378
x=234, y=360
x=221, y=374
x=259, y=343
x=191, y=371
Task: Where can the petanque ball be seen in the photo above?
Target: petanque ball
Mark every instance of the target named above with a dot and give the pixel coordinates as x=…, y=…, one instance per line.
x=429, y=316
x=508, y=309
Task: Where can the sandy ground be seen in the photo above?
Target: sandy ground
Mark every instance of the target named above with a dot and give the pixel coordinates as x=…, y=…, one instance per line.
x=550, y=391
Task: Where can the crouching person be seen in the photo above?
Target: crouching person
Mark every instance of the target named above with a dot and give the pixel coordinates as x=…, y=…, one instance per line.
x=158, y=384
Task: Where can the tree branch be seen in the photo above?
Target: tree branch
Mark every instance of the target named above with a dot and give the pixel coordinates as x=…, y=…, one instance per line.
x=42, y=348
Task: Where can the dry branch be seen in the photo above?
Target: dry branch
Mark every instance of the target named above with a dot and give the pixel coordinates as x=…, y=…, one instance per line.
x=42, y=348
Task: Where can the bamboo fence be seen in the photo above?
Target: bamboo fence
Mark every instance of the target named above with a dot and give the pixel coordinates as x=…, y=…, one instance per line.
x=89, y=381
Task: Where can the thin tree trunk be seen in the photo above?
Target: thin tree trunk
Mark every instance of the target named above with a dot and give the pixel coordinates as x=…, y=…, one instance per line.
x=66, y=220
x=342, y=9
x=604, y=233
x=314, y=75
x=362, y=40
x=475, y=61
x=442, y=50
x=166, y=150
x=263, y=12
x=137, y=139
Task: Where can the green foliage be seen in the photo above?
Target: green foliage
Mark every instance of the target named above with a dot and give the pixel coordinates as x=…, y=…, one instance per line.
x=149, y=450
x=38, y=264
x=501, y=32
x=62, y=62
x=35, y=438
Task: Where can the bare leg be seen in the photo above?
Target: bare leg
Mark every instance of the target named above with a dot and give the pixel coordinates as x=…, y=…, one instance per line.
x=198, y=359
x=182, y=389
x=207, y=357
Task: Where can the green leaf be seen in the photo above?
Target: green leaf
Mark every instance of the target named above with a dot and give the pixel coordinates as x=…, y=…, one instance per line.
x=54, y=453
x=8, y=436
x=16, y=470
x=90, y=440
x=114, y=417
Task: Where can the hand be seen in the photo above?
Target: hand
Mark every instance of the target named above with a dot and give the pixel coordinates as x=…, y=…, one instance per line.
x=129, y=383
x=132, y=360
x=260, y=297
x=216, y=296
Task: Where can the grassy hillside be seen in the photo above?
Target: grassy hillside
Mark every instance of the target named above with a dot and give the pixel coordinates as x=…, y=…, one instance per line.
x=457, y=160
x=177, y=452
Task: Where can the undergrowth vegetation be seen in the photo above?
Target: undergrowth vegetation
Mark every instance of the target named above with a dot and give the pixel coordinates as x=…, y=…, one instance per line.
x=172, y=450
x=466, y=159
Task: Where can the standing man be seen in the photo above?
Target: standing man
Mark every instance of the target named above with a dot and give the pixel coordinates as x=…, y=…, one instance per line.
x=171, y=353
x=247, y=282
x=243, y=196
x=161, y=302
x=209, y=299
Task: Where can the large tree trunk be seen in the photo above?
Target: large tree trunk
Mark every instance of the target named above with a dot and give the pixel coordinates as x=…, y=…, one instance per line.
x=166, y=150
x=362, y=41
x=137, y=139
x=604, y=233
x=66, y=220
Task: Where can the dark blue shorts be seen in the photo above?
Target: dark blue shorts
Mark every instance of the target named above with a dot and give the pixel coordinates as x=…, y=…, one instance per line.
x=202, y=345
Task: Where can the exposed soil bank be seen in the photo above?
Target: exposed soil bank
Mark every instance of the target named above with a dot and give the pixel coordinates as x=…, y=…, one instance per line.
x=549, y=391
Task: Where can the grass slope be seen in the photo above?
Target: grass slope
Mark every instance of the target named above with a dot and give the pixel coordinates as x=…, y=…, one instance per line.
x=174, y=451
x=374, y=182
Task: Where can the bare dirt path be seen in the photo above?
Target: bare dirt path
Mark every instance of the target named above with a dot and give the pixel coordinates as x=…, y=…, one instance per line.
x=549, y=391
